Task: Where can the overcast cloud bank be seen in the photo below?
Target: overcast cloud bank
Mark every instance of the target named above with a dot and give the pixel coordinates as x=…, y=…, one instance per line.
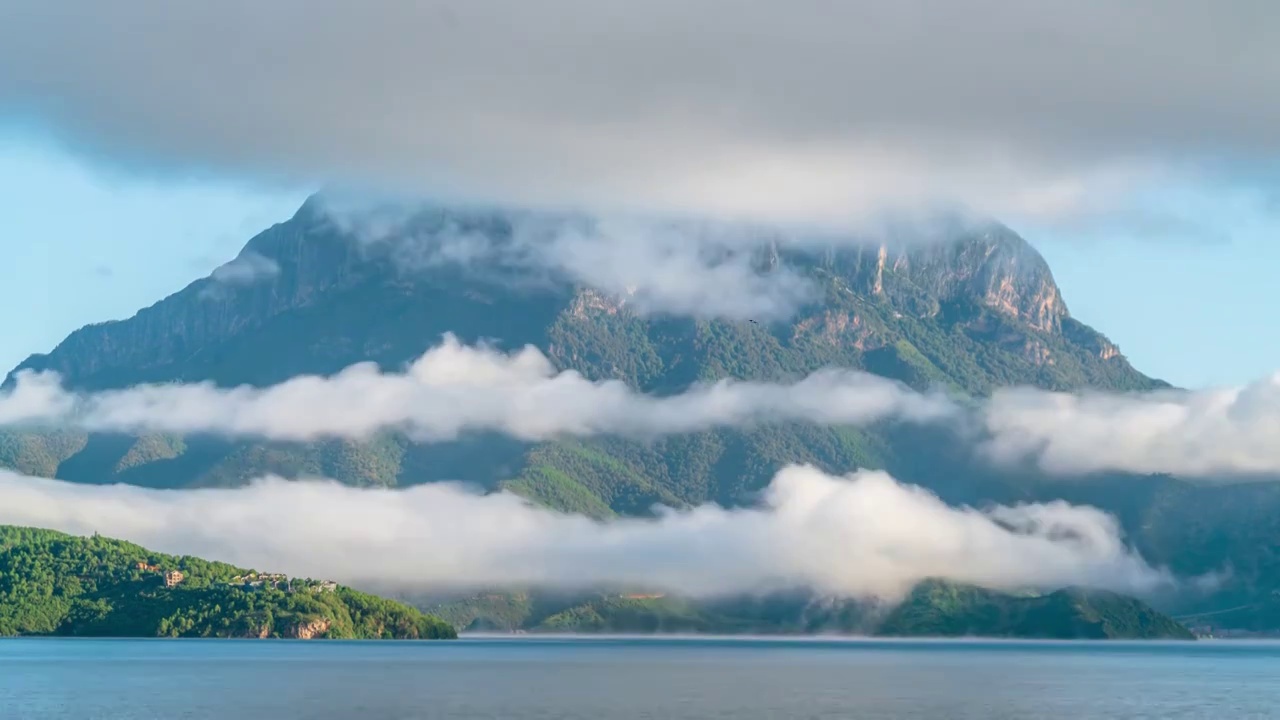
x=808, y=110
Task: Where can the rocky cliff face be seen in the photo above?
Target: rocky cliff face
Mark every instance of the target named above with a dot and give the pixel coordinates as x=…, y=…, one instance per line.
x=994, y=268
x=309, y=630
x=988, y=266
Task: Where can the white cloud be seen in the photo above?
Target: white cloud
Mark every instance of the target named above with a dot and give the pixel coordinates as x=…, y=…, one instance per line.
x=696, y=269
x=861, y=536
x=38, y=398
x=805, y=110
x=454, y=389
x=1203, y=433
x=247, y=268
x=675, y=271
x=679, y=265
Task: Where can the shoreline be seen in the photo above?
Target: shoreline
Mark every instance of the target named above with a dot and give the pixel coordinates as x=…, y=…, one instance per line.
x=678, y=638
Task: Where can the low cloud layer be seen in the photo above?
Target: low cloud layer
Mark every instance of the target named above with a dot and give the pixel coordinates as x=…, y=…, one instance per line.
x=1203, y=433
x=455, y=389
x=688, y=268
x=36, y=399
x=804, y=110
x=247, y=268
x=861, y=536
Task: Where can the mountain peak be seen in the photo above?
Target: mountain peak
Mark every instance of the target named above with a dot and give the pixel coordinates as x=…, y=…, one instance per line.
x=320, y=269
x=985, y=267
x=993, y=267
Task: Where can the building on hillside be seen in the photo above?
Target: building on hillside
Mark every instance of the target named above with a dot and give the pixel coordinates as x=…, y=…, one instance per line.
x=256, y=580
x=173, y=577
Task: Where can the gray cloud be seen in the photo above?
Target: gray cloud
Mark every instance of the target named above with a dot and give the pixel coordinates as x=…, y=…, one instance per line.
x=861, y=536
x=812, y=109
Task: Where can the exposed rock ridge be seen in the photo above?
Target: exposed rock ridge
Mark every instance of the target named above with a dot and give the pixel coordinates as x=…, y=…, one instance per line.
x=313, y=258
x=993, y=267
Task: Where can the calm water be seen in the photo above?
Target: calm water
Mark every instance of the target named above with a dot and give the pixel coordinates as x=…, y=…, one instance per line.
x=622, y=679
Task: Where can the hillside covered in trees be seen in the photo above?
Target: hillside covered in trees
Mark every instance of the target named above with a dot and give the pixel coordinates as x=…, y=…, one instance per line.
x=933, y=609
x=57, y=584
x=936, y=609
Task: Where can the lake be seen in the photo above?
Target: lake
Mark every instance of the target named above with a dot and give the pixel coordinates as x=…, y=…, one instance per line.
x=626, y=679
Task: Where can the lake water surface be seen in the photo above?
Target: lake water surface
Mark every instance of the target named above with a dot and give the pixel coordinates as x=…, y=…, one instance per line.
x=625, y=679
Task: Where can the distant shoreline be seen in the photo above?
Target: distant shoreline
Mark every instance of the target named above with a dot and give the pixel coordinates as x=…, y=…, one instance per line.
x=847, y=639
x=604, y=638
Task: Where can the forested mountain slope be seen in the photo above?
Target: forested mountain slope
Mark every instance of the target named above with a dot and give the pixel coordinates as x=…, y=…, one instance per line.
x=57, y=584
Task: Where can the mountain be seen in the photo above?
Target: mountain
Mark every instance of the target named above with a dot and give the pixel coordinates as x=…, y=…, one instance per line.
x=976, y=311
x=338, y=300
x=933, y=609
x=57, y=584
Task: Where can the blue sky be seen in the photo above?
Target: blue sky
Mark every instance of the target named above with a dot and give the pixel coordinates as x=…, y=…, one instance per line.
x=84, y=244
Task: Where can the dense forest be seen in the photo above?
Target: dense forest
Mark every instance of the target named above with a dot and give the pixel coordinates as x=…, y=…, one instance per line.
x=57, y=584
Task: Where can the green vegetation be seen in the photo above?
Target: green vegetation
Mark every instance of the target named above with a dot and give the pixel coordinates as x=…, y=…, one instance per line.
x=937, y=609
x=933, y=609
x=57, y=584
x=601, y=612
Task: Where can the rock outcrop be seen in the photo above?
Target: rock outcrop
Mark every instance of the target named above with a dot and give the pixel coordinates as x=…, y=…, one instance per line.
x=309, y=630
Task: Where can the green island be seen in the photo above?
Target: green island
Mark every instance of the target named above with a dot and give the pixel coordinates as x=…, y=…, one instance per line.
x=52, y=583
x=933, y=609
